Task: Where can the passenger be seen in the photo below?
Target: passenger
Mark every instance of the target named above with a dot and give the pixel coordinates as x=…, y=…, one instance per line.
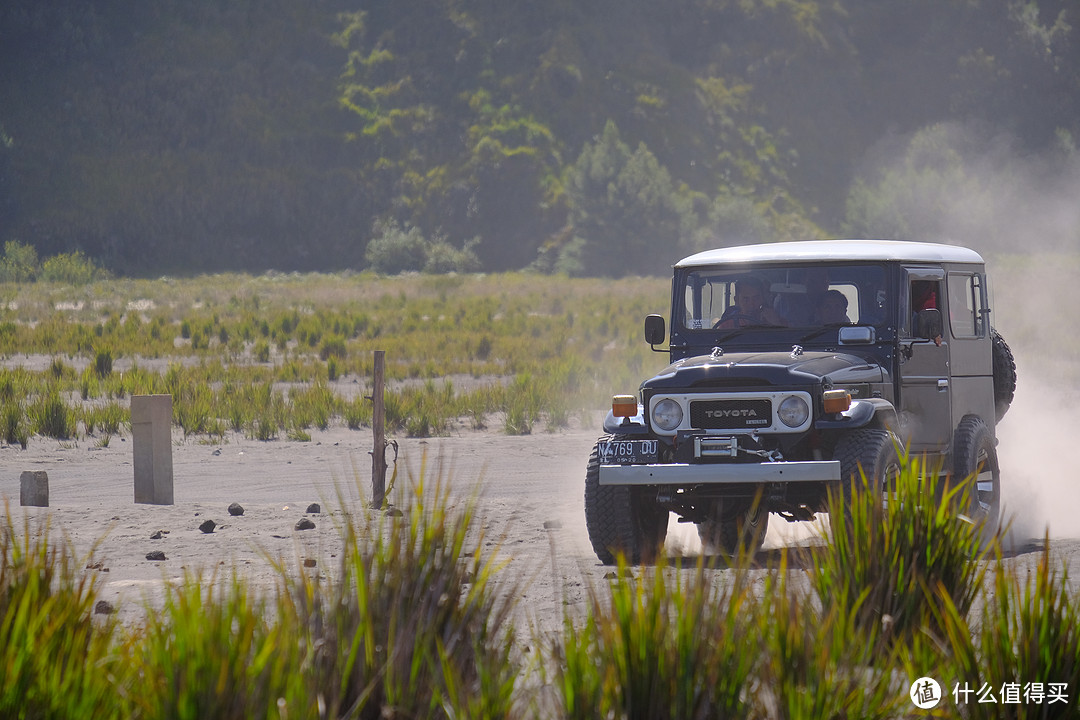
x=749, y=307
x=799, y=310
x=833, y=308
x=924, y=297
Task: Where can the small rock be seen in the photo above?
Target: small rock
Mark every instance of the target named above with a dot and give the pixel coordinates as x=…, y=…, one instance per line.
x=553, y=525
x=208, y=526
x=314, y=509
x=305, y=524
x=310, y=562
x=156, y=536
x=156, y=555
x=236, y=509
x=394, y=512
x=104, y=607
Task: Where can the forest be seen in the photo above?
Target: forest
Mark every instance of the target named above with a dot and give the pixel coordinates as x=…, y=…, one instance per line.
x=593, y=138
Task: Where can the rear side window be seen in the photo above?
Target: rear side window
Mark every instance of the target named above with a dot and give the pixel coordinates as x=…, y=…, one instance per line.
x=967, y=302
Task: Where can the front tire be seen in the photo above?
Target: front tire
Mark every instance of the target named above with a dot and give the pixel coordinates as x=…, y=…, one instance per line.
x=621, y=520
x=872, y=452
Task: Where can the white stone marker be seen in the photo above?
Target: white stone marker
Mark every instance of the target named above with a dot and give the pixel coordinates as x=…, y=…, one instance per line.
x=151, y=431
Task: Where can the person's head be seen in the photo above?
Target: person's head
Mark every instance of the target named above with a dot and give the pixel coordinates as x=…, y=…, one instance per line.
x=922, y=292
x=833, y=307
x=749, y=294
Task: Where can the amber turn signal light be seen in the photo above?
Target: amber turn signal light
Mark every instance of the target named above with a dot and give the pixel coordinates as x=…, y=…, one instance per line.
x=624, y=406
x=836, y=401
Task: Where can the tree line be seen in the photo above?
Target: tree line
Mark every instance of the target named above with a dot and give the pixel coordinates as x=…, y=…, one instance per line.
x=599, y=138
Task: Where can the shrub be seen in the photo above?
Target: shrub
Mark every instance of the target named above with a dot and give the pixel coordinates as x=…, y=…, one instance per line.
x=672, y=645
x=71, y=269
x=395, y=249
x=411, y=624
x=892, y=560
x=52, y=417
x=54, y=660
x=103, y=362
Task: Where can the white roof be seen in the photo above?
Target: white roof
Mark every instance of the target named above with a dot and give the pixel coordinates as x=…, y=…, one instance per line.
x=834, y=250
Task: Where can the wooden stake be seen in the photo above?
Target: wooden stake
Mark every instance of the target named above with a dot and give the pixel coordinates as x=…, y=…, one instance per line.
x=378, y=420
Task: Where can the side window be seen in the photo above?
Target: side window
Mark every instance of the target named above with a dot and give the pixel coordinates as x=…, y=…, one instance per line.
x=923, y=295
x=965, y=305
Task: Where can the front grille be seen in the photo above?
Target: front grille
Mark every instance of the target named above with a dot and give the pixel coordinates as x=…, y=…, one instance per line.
x=730, y=414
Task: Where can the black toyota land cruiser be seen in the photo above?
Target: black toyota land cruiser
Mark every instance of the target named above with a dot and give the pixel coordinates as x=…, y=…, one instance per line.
x=793, y=365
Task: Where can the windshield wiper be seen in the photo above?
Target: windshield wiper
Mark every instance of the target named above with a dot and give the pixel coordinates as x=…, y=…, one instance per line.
x=822, y=330
x=739, y=331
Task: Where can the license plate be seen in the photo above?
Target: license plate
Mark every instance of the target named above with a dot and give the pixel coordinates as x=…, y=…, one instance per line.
x=627, y=452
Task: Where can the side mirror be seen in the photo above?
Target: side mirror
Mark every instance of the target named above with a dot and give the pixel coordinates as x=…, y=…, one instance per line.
x=928, y=324
x=655, y=329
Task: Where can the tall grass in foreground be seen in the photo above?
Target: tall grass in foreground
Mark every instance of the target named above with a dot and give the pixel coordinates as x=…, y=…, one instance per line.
x=411, y=622
x=55, y=662
x=412, y=625
x=670, y=644
x=890, y=555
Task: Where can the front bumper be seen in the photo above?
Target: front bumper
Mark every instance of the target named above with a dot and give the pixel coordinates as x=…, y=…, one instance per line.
x=681, y=474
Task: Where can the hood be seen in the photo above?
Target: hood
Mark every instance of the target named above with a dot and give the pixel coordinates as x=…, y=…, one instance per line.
x=782, y=369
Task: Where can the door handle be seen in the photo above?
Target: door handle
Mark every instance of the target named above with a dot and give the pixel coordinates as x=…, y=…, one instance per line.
x=943, y=385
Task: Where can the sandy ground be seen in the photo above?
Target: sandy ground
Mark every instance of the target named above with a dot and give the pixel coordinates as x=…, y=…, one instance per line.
x=530, y=508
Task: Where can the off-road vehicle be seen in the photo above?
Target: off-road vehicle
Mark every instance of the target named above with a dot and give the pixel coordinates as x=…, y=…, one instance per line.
x=841, y=353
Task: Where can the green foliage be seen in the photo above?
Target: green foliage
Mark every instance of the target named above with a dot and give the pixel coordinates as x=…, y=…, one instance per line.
x=1029, y=633
x=896, y=558
x=627, y=212
x=413, y=621
x=54, y=659
x=19, y=264
x=673, y=643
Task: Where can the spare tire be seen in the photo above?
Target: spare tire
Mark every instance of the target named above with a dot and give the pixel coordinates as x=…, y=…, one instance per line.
x=1004, y=369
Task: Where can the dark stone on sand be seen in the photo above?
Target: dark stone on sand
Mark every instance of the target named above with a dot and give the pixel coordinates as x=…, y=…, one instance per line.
x=156, y=555
x=104, y=607
x=156, y=536
x=208, y=526
x=236, y=509
x=310, y=562
x=314, y=509
x=305, y=524
x=394, y=512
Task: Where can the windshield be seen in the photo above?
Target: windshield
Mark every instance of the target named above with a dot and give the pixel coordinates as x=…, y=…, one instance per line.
x=795, y=296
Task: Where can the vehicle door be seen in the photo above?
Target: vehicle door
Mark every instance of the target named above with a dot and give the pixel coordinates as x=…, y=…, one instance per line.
x=925, y=392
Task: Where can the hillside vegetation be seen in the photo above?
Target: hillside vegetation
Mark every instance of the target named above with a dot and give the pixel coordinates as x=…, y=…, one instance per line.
x=598, y=138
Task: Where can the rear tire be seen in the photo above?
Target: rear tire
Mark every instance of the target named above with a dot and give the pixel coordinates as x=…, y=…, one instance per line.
x=621, y=520
x=741, y=528
x=975, y=460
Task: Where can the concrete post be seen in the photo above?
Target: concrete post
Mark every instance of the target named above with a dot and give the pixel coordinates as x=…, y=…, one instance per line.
x=151, y=431
x=34, y=488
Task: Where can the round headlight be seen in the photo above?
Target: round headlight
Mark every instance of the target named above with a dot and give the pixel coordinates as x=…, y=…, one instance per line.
x=794, y=411
x=667, y=414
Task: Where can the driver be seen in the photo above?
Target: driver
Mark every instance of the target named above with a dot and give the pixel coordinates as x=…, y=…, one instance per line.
x=749, y=308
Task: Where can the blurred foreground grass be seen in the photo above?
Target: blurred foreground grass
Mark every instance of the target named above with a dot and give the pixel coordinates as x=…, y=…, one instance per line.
x=416, y=620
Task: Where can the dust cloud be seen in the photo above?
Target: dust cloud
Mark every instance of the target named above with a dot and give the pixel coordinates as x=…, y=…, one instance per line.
x=1022, y=213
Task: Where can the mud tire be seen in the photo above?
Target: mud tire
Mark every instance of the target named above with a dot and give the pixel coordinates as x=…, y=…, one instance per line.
x=621, y=520
x=872, y=451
